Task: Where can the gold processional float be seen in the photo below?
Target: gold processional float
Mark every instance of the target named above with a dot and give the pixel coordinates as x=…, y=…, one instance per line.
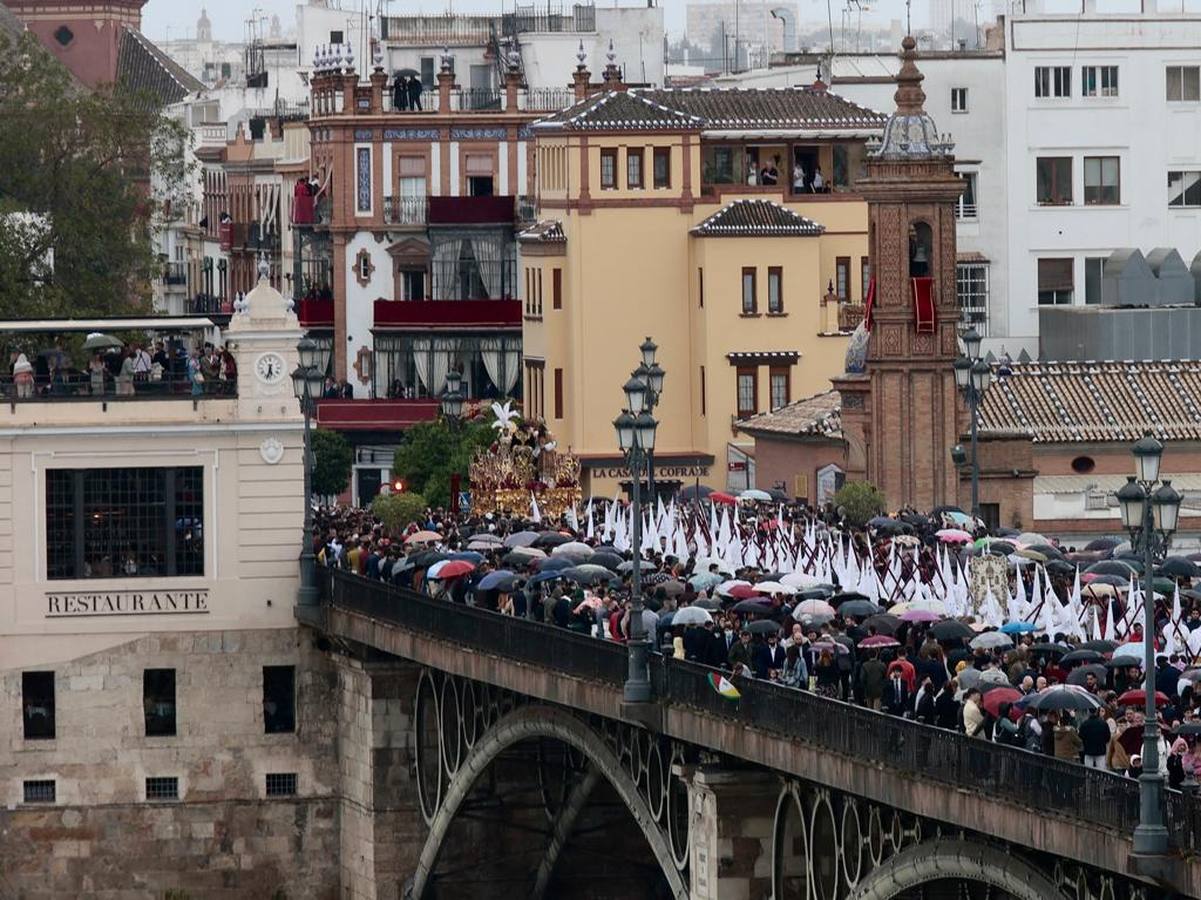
x=523, y=466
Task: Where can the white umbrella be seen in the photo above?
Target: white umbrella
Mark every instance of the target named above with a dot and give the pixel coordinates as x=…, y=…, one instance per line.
x=775, y=587
x=726, y=586
x=574, y=548
x=98, y=341
x=813, y=608
x=801, y=580
x=990, y=640
x=691, y=615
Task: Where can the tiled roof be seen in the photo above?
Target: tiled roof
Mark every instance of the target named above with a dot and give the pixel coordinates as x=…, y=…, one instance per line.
x=816, y=416
x=756, y=218
x=619, y=110
x=145, y=69
x=715, y=109
x=1069, y=402
x=548, y=231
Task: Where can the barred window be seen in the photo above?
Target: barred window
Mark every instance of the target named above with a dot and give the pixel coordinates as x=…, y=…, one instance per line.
x=162, y=788
x=124, y=523
x=281, y=784
x=41, y=791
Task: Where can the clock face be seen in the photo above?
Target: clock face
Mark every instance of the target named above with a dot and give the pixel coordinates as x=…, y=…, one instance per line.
x=269, y=368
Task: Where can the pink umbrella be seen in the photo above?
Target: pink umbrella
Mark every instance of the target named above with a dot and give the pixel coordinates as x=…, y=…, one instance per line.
x=879, y=640
x=920, y=615
x=953, y=536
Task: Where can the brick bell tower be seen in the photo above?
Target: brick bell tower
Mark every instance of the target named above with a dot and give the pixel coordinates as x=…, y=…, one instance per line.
x=85, y=35
x=900, y=409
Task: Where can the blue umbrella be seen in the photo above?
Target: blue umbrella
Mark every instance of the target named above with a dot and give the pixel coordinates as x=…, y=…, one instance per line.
x=469, y=555
x=555, y=564
x=544, y=576
x=1018, y=628
x=495, y=580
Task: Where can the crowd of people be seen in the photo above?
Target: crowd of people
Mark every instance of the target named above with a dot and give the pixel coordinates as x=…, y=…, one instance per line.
x=156, y=366
x=1013, y=681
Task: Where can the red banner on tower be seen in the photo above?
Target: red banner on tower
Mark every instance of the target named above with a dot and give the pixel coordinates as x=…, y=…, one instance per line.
x=923, y=305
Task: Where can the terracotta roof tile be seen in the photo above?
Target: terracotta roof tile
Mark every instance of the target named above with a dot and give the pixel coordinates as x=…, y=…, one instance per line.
x=144, y=68
x=619, y=111
x=816, y=416
x=756, y=218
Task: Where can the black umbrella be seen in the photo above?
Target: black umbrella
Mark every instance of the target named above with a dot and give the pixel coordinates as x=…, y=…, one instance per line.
x=1060, y=697
x=1048, y=649
x=1100, y=645
x=815, y=593
x=1082, y=656
x=1115, y=580
x=939, y=510
x=694, y=492
x=837, y=600
x=1060, y=567
x=552, y=539
x=1006, y=532
x=611, y=561
x=858, y=608
x=1178, y=567
x=1187, y=729
x=427, y=558
x=1102, y=544
x=1079, y=675
x=1047, y=550
x=1001, y=548
x=763, y=626
x=1110, y=567
x=778, y=495
x=761, y=607
x=950, y=629
x=884, y=623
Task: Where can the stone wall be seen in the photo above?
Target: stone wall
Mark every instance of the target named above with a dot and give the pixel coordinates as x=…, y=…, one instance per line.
x=223, y=837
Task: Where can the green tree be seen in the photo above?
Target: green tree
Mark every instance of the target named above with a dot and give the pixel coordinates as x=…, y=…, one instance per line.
x=333, y=458
x=75, y=164
x=432, y=452
x=397, y=511
x=859, y=501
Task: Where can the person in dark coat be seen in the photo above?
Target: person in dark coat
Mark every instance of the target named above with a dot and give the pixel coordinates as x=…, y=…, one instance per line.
x=946, y=707
x=400, y=93
x=896, y=693
x=415, y=93
x=1094, y=739
x=767, y=656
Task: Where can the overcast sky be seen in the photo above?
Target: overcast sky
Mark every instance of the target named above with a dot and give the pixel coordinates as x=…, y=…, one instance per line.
x=162, y=19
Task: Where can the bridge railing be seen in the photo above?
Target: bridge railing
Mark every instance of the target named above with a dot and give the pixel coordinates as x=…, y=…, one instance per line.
x=1044, y=784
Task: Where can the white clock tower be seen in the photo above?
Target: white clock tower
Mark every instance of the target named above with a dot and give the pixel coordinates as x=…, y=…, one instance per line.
x=262, y=334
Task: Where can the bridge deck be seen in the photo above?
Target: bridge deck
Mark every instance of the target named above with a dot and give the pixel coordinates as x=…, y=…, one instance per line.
x=1008, y=793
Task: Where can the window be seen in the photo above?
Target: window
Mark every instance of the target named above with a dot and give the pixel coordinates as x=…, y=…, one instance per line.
x=279, y=699
x=959, y=100
x=158, y=701
x=412, y=284
x=335, y=37
x=558, y=393
x=965, y=206
x=662, y=163
x=1055, y=281
x=971, y=290
x=538, y=291
x=124, y=523
x=1082, y=465
x=1053, y=81
x=991, y=514
x=281, y=784
x=1094, y=272
x=775, y=289
x=634, y=169
x=1184, y=84
x=64, y=35
x=556, y=288
x=1184, y=188
x=1099, y=81
x=865, y=276
x=37, y=705
x=842, y=278
x=700, y=287
x=1053, y=180
x=480, y=186
x=40, y=791
x=608, y=168
x=427, y=72
x=1102, y=180
x=162, y=788
x=748, y=392
x=780, y=388
x=703, y=403
x=750, y=302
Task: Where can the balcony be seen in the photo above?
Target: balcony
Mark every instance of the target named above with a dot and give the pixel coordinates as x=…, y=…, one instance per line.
x=406, y=210
x=74, y=385
x=459, y=314
x=207, y=305
x=315, y=313
x=849, y=316
x=375, y=415
x=175, y=273
x=494, y=210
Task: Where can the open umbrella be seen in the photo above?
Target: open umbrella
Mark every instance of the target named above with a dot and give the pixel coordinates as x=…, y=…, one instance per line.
x=607, y=559
x=761, y=607
x=577, y=548
x=423, y=537
x=968, y=679
x=449, y=568
x=953, y=536
x=800, y=580
x=1018, y=627
x=1048, y=649
x=671, y=587
x=883, y=623
x=554, y=564
x=500, y=580
x=691, y=615
x=919, y=615
x=97, y=341
x=813, y=608
x=1100, y=645
x=755, y=494
x=1081, y=656
x=1135, y=652
x=553, y=539
x=1079, y=675
x=1093, y=578
x=990, y=640
x=726, y=586
x=708, y=603
x=702, y=581
x=1064, y=696
x=521, y=539
x=858, y=608
x=744, y=592
x=879, y=640
x=486, y=545
x=950, y=629
x=998, y=695
x=1048, y=550
x=427, y=558
x=694, y=492
x=763, y=626
x=470, y=555
x=1061, y=567
x=587, y=574
x=722, y=497
x=1102, y=544
x=1138, y=697
x=1110, y=567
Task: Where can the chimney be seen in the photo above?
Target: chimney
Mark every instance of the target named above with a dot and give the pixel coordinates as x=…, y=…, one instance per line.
x=379, y=81
x=446, y=82
x=612, y=74
x=581, y=77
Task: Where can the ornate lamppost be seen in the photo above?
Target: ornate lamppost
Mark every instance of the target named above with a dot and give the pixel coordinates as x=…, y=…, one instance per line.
x=973, y=376
x=307, y=383
x=651, y=374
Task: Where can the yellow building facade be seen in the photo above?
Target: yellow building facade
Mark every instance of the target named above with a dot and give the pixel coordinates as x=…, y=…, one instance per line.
x=722, y=223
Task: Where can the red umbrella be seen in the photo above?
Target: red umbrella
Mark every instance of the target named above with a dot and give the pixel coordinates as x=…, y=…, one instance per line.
x=1139, y=698
x=722, y=497
x=994, y=698
x=879, y=640
x=453, y=568
x=744, y=591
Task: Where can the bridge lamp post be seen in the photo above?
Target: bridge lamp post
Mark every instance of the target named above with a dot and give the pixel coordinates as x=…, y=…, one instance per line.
x=973, y=376
x=452, y=400
x=1150, y=509
x=651, y=374
x=307, y=383
x=635, y=429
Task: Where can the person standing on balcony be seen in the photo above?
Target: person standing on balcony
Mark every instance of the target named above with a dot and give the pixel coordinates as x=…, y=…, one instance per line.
x=96, y=371
x=23, y=376
x=400, y=93
x=415, y=93
x=141, y=363
x=819, y=181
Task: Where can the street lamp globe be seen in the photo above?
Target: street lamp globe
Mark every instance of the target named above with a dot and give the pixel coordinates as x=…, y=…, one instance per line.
x=654, y=378
x=972, y=341
x=635, y=390
x=648, y=349
x=958, y=455
x=1165, y=508
x=981, y=376
x=645, y=425
x=300, y=383
x=963, y=372
x=1131, y=500
x=315, y=382
x=1147, y=454
x=308, y=351
x=624, y=426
